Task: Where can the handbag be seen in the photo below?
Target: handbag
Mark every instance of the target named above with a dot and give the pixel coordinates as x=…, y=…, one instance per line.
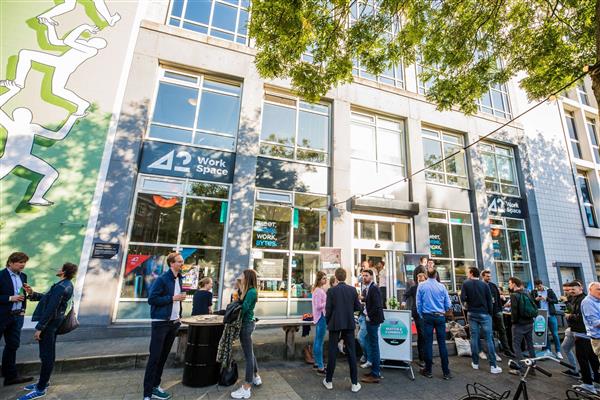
x=229, y=374
x=308, y=354
x=232, y=312
x=69, y=323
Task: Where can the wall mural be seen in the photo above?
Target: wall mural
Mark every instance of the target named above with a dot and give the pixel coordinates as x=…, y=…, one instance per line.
x=61, y=63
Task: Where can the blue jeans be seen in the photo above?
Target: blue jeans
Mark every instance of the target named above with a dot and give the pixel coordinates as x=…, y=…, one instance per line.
x=10, y=328
x=479, y=322
x=437, y=322
x=553, y=333
x=249, y=357
x=373, y=345
x=48, y=352
x=362, y=335
x=320, y=330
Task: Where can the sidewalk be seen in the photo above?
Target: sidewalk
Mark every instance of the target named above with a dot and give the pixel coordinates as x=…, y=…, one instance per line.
x=296, y=380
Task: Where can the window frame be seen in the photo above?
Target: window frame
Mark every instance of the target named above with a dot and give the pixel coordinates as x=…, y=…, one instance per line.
x=504, y=226
x=441, y=140
x=587, y=205
x=591, y=127
x=575, y=142
x=581, y=92
x=513, y=162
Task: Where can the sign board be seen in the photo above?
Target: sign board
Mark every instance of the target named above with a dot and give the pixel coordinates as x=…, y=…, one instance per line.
x=456, y=305
x=540, y=329
x=504, y=206
x=331, y=258
x=269, y=269
x=168, y=159
x=395, y=336
x=105, y=251
x=266, y=233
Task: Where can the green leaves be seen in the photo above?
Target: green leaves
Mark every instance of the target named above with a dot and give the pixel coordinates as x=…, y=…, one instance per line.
x=315, y=43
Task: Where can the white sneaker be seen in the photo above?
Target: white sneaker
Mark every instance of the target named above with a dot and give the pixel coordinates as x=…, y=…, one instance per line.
x=341, y=347
x=328, y=385
x=482, y=355
x=474, y=366
x=363, y=359
x=495, y=370
x=257, y=381
x=355, y=388
x=559, y=356
x=147, y=398
x=498, y=359
x=366, y=365
x=589, y=388
x=241, y=393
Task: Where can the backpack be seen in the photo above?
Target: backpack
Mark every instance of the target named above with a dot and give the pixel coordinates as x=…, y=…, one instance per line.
x=527, y=307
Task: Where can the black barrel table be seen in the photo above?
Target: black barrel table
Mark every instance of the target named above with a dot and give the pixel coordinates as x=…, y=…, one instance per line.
x=201, y=368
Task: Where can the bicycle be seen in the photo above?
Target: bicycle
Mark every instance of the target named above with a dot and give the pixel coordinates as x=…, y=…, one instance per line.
x=477, y=391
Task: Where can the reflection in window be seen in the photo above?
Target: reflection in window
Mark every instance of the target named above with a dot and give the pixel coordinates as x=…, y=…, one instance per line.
x=225, y=19
x=509, y=249
x=451, y=245
x=573, y=135
x=438, y=145
x=594, y=139
x=499, y=168
x=586, y=200
x=197, y=110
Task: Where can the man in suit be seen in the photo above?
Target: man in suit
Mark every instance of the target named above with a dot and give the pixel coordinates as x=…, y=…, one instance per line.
x=342, y=302
x=13, y=285
x=374, y=316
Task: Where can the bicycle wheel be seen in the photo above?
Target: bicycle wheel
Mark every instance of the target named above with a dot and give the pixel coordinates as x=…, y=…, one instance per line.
x=475, y=397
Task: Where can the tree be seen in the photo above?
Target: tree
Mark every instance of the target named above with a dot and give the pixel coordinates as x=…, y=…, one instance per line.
x=465, y=45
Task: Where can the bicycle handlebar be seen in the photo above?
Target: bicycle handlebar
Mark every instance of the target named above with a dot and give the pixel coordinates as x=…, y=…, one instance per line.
x=566, y=364
x=543, y=371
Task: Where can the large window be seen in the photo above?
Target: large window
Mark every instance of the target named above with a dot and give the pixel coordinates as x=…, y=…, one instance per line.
x=377, y=151
x=295, y=129
x=500, y=169
x=573, y=136
x=452, y=246
x=586, y=200
x=438, y=145
x=511, y=254
x=225, y=19
x=174, y=215
x=594, y=140
x=288, y=231
x=495, y=101
x=582, y=94
x=196, y=109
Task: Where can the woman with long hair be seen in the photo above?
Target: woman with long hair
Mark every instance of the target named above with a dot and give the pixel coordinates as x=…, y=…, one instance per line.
x=249, y=296
x=319, y=298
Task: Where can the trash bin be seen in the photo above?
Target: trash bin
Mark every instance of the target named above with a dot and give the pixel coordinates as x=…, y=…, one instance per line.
x=201, y=367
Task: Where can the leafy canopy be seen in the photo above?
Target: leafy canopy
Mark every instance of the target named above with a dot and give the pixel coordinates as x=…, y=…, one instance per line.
x=549, y=40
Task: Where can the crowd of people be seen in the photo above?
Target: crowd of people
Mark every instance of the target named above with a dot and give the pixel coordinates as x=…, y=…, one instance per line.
x=337, y=308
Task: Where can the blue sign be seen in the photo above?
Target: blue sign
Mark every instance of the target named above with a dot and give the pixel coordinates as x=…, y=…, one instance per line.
x=168, y=159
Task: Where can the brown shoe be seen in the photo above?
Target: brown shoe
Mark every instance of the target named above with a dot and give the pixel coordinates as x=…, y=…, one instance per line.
x=370, y=379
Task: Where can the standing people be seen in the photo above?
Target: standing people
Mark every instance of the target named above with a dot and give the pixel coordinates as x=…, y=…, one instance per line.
x=476, y=295
x=568, y=343
x=410, y=297
x=12, y=312
x=421, y=268
x=433, y=302
x=362, y=321
x=49, y=314
x=546, y=299
x=342, y=302
x=165, y=297
x=382, y=281
x=497, y=317
x=523, y=311
x=202, y=303
x=590, y=307
x=319, y=299
x=587, y=360
x=249, y=298
x=373, y=312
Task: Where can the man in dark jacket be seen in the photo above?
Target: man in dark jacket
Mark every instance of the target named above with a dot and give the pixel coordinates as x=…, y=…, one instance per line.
x=477, y=297
x=13, y=284
x=373, y=312
x=410, y=297
x=165, y=299
x=342, y=302
x=522, y=325
x=545, y=299
x=497, y=316
x=587, y=360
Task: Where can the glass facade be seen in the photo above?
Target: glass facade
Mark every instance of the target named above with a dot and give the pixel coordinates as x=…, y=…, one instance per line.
x=173, y=215
x=452, y=246
x=500, y=169
x=510, y=250
x=197, y=110
x=286, y=239
x=224, y=19
x=438, y=145
x=586, y=199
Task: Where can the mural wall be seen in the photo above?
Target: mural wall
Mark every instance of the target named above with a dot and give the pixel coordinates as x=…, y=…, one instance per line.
x=61, y=64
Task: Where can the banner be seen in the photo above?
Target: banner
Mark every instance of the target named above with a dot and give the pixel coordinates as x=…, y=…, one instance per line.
x=133, y=261
x=330, y=258
x=540, y=329
x=395, y=336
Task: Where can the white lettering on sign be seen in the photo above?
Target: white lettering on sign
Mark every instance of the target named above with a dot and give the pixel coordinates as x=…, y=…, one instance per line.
x=165, y=162
x=187, y=158
x=500, y=206
x=209, y=166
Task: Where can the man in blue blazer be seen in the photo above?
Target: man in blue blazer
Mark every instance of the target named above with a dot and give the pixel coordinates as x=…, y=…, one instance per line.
x=342, y=302
x=13, y=285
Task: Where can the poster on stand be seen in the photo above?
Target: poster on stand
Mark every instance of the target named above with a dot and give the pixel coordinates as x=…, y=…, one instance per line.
x=540, y=329
x=395, y=336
